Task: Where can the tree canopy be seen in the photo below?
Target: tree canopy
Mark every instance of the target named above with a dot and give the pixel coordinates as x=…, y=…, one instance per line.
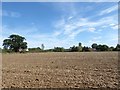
x=14, y=43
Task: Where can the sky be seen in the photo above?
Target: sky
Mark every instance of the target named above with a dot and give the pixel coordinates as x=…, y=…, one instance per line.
x=61, y=24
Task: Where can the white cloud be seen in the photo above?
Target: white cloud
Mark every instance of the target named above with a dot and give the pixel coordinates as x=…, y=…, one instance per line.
x=93, y=41
x=73, y=27
x=115, y=39
x=97, y=38
x=109, y=10
x=112, y=24
x=10, y=14
x=91, y=29
x=104, y=26
x=75, y=33
x=115, y=27
x=59, y=23
x=57, y=33
x=70, y=17
x=110, y=38
x=68, y=27
x=107, y=20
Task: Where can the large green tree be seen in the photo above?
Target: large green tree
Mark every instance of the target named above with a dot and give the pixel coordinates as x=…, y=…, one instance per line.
x=15, y=43
x=94, y=45
x=117, y=47
x=102, y=48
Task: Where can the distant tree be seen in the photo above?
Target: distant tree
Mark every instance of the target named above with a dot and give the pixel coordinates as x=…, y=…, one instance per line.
x=111, y=48
x=79, y=47
x=58, y=49
x=42, y=46
x=38, y=49
x=49, y=50
x=67, y=50
x=84, y=49
x=74, y=49
x=80, y=44
x=105, y=48
x=94, y=46
x=14, y=43
x=117, y=47
x=102, y=48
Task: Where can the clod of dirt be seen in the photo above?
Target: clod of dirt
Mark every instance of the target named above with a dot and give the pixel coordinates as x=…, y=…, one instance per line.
x=27, y=71
x=36, y=79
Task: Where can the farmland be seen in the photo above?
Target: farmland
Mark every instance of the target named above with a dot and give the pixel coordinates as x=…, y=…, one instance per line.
x=60, y=70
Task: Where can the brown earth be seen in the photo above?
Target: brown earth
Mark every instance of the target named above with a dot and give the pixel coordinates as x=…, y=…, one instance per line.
x=60, y=70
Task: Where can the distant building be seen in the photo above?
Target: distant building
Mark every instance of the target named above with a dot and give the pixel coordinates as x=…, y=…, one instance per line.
x=23, y=50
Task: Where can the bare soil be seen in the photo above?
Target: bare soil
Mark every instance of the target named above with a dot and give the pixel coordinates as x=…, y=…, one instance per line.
x=60, y=70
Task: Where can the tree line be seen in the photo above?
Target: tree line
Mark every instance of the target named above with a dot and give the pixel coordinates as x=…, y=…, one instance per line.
x=16, y=43
x=79, y=48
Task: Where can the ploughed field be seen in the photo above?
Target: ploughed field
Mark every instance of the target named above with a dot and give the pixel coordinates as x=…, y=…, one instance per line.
x=60, y=70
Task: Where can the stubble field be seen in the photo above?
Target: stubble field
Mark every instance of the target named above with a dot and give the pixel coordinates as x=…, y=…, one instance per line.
x=60, y=70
